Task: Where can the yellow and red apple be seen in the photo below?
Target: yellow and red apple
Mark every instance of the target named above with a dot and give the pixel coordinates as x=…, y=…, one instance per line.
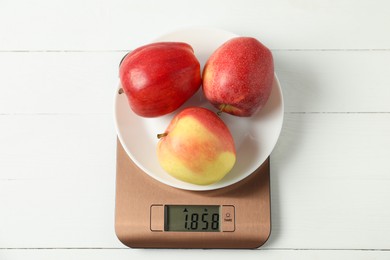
x=238, y=76
x=197, y=147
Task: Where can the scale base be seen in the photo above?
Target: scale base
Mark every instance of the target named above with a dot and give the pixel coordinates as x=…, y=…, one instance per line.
x=139, y=222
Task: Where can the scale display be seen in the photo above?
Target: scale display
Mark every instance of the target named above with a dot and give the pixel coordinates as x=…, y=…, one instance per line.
x=192, y=218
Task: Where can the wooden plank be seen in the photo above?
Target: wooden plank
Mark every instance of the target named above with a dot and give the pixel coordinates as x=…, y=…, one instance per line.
x=97, y=254
x=57, y=180
x=329, y=182
x=334, y=81
x=80, y=82
x=302, y=24
x=58, y=82
x=56, y=147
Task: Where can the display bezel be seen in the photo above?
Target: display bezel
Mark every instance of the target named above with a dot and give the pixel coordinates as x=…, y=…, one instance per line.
x=209, y=216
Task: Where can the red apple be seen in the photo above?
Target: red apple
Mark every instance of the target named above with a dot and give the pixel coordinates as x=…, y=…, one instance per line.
x=238, y=77
x=158, y=78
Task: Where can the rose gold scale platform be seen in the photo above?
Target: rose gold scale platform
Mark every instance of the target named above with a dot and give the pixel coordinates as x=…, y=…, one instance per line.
x=143, y=205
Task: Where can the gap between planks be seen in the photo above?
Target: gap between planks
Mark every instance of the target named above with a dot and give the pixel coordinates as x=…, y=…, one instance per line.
x=119, y=50
x=105, y=114
x=127, y=248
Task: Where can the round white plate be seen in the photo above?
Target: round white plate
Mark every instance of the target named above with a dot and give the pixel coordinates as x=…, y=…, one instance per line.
x=254, y=137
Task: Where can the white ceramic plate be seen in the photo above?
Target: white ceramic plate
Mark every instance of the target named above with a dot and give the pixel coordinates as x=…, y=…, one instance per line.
x=254, y=137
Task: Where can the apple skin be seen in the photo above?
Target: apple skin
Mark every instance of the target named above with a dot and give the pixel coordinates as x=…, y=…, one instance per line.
x=238, y=76
x=158, y=78
x=197, y=147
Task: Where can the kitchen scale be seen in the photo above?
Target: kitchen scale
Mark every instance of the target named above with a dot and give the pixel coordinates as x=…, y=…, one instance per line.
x=155, y=210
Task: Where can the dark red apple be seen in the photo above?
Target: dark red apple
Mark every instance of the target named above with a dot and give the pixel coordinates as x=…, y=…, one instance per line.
x=238, y=76
x=158, y=78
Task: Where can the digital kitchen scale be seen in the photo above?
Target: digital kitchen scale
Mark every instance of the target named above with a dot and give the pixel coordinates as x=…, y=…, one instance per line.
x=155, y=210
x=150, y=214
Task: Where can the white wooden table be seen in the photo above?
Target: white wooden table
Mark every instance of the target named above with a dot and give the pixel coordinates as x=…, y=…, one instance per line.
x=330, y=169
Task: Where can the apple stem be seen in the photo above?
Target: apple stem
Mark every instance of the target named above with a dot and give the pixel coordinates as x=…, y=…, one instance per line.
x=159, y=136
x=221, y=108
x=120, y=91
